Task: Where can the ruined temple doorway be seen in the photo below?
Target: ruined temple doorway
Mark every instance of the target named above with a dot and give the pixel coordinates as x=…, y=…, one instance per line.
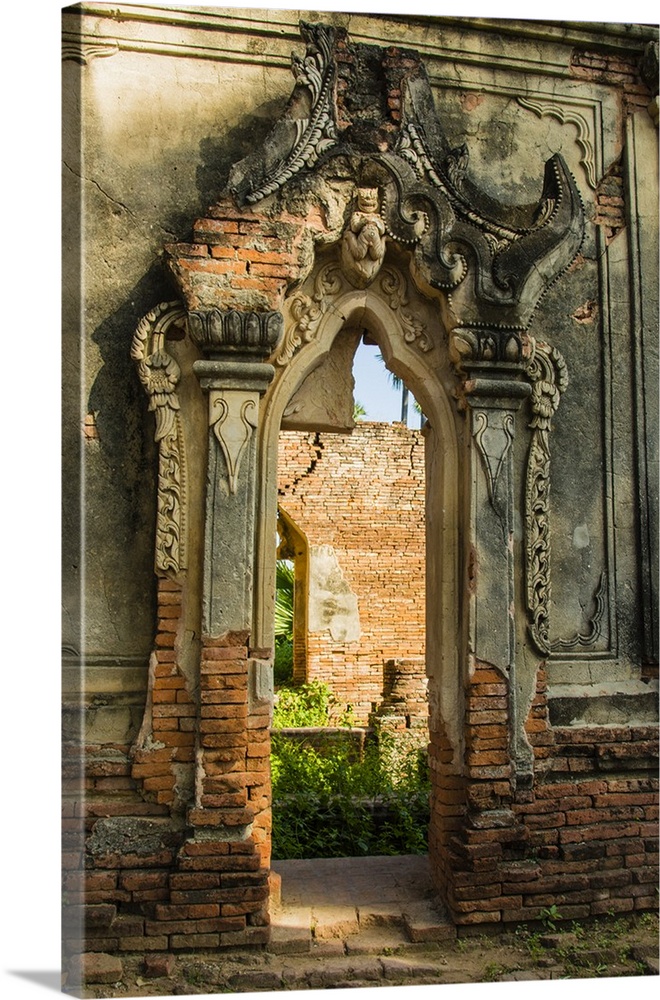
x=350, y=726
x=312, y=402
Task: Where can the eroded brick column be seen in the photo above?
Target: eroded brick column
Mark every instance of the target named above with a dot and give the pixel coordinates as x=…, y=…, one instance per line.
x=224, y=867
x=474, y=828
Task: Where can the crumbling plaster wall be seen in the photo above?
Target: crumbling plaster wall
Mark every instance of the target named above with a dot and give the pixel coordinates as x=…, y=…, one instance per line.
x=359, y=499
x=155, y=113
x=156, y=109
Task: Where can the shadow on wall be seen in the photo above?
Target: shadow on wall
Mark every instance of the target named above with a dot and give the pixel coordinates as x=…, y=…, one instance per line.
x=119, y=405
x=117, y=399
x=219, y=153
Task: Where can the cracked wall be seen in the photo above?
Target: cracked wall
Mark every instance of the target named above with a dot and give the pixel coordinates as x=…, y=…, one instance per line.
x=156, y=111
x=359, y=499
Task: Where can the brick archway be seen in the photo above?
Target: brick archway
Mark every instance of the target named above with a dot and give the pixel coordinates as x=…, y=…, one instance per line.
x=545, y=711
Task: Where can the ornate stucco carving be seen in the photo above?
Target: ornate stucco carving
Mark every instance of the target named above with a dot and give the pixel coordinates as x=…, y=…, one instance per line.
x=592, y=632
x=548, y=375
x=448, y=177
x=564, y=115
x=233, y=419
x=395, y=287
x=493, y=263
x=470, y=346
x=363, y=243
x=230, y=332
x=159, y=374
x=310, y=118
x=493, y=434
x=83, y=50
x=307, y=312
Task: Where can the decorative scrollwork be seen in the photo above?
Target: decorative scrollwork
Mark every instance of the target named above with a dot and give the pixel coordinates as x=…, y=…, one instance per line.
x=83, y=50
x=548, y=374
x=233, y=427
x=159, y=374
x=412, y=147
x=318, y=132
x=307, y=312
x=494, y=438
x=230, y=331
x=395, y=288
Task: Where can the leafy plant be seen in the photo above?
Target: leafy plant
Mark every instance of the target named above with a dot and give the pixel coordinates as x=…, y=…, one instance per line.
x=283, y=665
x=305, y=705
x=549, y=916
x=492, y=972
x=338, y=806
x=284, y=583
x=530, y=941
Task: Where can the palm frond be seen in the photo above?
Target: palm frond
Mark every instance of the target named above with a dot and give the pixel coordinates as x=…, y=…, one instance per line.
x=284, y=598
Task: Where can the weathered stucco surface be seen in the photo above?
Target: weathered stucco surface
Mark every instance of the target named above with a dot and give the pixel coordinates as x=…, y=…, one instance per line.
x=530, y=338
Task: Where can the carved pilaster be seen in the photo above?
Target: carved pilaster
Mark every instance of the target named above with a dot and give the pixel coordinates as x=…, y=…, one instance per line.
x=234, y=377
x=492, y=404
x=549, y=378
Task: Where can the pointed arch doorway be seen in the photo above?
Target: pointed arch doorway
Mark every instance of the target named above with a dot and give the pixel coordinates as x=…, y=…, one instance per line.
x=407, y=328
x=317, y=232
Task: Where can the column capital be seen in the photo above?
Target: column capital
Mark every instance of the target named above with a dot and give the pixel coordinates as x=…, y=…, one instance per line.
x=233, y=334
x=500, y=391
x=492, y=362
x=251, y=376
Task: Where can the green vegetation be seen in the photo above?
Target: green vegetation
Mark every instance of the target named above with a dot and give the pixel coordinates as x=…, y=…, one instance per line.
x=605, y=947
x=493, y=971
x=284, y=598
x=311, y=704
x=550, y=915
x=331, y=804
x=283, y=666
x=323, y=804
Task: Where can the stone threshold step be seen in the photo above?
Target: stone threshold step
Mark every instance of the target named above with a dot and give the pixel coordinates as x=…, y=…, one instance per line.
x=372, y=929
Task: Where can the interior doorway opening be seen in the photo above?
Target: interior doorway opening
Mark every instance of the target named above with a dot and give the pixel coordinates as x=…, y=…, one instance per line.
x=291, y=582
x=350, y=729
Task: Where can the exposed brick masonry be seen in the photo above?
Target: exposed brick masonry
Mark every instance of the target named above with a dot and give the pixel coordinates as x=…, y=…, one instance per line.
x=584, y=838
x=363, y=493
x=624, y=74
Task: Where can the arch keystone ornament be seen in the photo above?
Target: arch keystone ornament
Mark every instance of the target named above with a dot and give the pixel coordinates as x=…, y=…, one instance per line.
x=448, y=282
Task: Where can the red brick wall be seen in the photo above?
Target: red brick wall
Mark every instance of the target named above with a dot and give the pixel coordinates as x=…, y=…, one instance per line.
x=149, y=888
x=363, y=494
x=584, y=837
